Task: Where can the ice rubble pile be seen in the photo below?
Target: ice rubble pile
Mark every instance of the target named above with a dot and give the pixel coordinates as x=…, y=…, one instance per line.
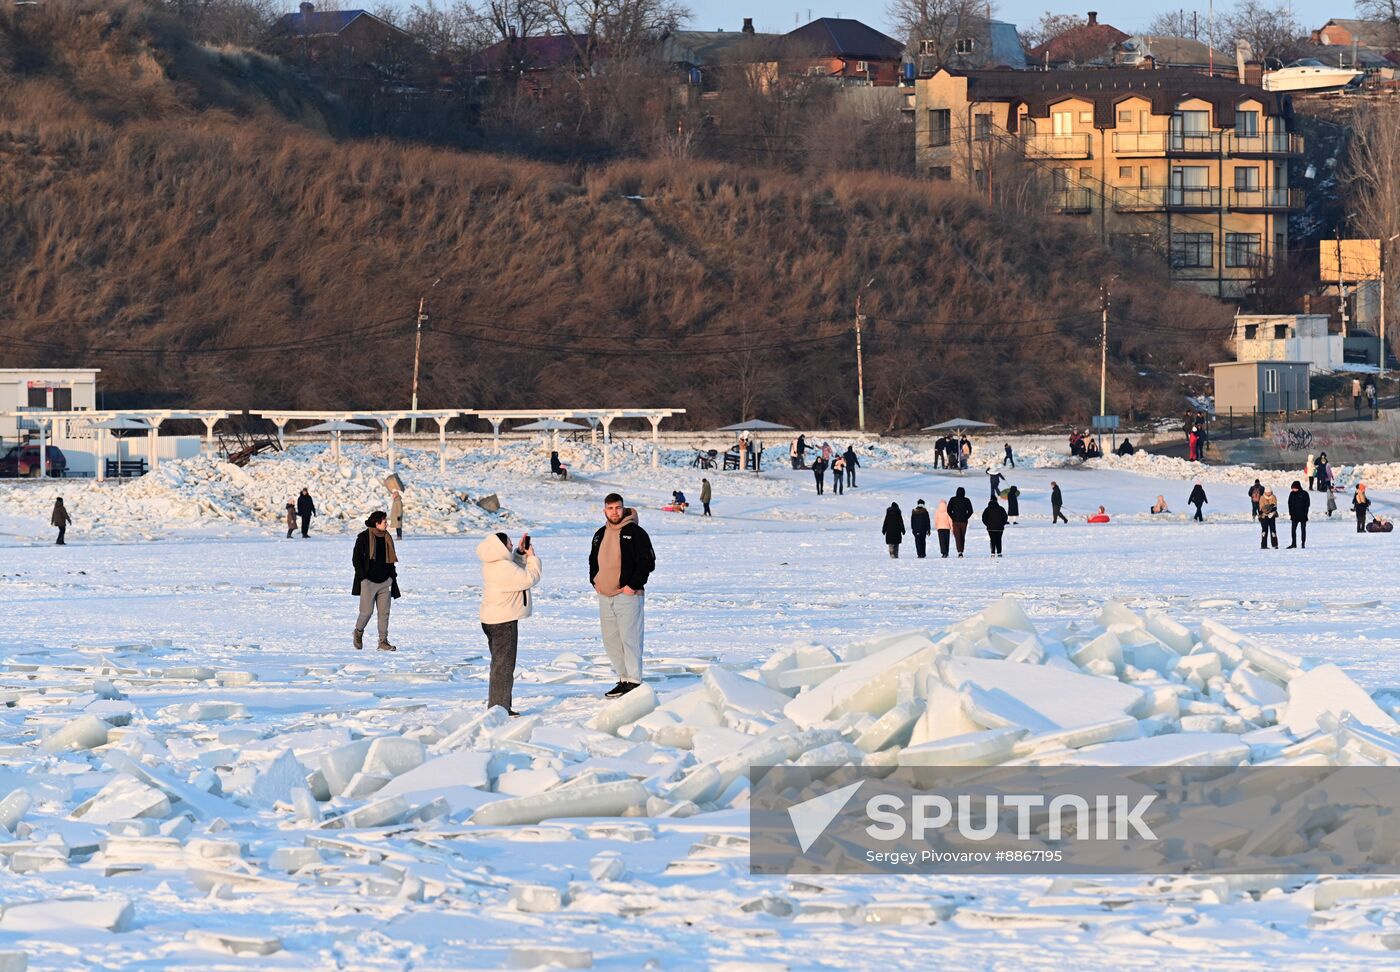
x=117, y=778
x=202, y=491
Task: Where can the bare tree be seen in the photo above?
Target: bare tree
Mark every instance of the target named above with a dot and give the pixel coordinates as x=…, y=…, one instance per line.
x=612, y=29
x=1173, y=23
x=452, y=33
x=1382, y=11
x=1269, y=29
x=1373, y=179
x=516, y=18
x=954, y=33
x=1049, y=26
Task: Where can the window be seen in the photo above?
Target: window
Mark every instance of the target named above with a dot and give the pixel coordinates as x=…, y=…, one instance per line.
x=1144, y=177
x=1251, y=331
x=1125, y=117
x=1086, y=174
x=1059, y=178
x=1063, y=123
x=1193, y=250
x=982, y=126
x=939, y=126
x=862, y=66
x=1241, y=249
x=1271, y=381
x=943, y=173
x=1280, y=332
x=1086, y=118
x=1125, y=172
x=1247, y=124
x=38, y=397
x=63, y=399
x=1192, y=122
x=1247, y=178
x=964, y=45
x=928, y=48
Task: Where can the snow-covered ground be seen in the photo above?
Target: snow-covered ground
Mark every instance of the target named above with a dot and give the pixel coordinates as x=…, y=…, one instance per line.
x=214, y=657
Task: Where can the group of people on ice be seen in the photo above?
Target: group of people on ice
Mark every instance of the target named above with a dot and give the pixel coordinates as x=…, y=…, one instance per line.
x=842, y=466
x=952, y=452
x=949, y=522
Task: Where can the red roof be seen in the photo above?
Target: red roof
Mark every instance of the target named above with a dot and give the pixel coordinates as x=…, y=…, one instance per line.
x=1080, y=44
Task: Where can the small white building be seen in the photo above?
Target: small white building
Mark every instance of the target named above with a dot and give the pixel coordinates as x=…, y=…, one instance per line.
x=52, y=389
x=1288, y=337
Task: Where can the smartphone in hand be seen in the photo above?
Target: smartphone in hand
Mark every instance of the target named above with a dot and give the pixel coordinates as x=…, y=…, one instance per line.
x=524, y=542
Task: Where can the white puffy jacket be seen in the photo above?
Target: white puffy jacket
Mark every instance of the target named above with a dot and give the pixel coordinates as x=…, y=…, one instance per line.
x=506, y=582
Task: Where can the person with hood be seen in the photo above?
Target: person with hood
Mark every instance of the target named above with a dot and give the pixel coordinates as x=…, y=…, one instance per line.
x=960, y=511
x=943, y=523
x=60, y=519
x=819, y=471
x=919, y=526
x=396, y=513
x=994, y=519
x=995, y=478
x=291, y=518
x=1193, y=442
x=507, y=577
x=1057, y=504
x=705, y=495
x=1160, y=506
x=1255, y=493
x=1309, y=471
x=802, y=451
x=938, y=444
x=851, y=462
x=306, y=509
x=556, y=467
x=1360, y=505
x=893, y=529
x=619, y=564
x=1323, y=471
x=1013, y=503
x=376, y=577
x=1298, y=503
x=1198, y=499
x=1008, y=459
x=678, y=501
x=1268, y=519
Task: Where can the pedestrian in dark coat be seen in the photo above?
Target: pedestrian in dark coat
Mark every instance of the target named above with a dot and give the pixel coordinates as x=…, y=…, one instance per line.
x=306, y=509
x=893, y=529
x=1013, y=502
x=802, y=451
x=1298, y=503
x=852, y=460
x=994, y=519
x=1360, y=505
x=1268, y=519
x=1198, y=499
x=291, y=519
x=1008, y=459
x=376, y=577
x=921, y=527
x=819, y=471
x=838, y=474
x=1057, y=503
x=1255, y=492
x=60, y=519
x=1323, y=471
x=960, y=511
x=995, y=479
x=705, y=494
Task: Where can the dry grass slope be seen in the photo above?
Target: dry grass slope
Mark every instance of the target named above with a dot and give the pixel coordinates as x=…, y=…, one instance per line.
x=158, y=197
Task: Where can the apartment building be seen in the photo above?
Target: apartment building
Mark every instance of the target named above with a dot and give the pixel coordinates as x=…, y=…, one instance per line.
x=1194, y=167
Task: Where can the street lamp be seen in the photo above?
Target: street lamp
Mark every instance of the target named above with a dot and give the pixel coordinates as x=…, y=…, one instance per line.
x=860, y=359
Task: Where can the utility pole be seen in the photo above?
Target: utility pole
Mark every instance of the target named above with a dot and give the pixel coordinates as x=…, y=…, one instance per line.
x=1103, y=356
x=417, y=349
x=1341, y=285
x=860, y=368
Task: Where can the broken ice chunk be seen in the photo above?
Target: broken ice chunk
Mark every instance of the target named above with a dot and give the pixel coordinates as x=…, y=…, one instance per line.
x=1327, y=688
x=625, y=709
x=729, y=690
x=124, y=798
x=973, y=749
x=341, y=764
x=68, y=914
x=602, y=800
x=84, y=732
x=392, y=755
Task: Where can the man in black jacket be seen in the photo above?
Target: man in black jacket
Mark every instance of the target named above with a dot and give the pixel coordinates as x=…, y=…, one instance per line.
x=1198, y=500
x=376, y=577
x=1298, y=503
x=994, y=519
x=619, y=564
x=960, y=511
x=920, y=526
x=306, y=509
x=851, y=462
x=1057, y=503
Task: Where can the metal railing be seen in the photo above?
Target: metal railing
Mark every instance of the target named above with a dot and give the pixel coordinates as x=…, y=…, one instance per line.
x=1266, y=143
x=1193, y=143
x=1073, y=200
x=1144, y=199
x=1140, y=143
x=1193, y=197
x=1266, y=199
x=1056, y=146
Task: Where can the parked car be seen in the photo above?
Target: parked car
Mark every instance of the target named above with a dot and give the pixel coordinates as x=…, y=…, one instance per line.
x=24, y=461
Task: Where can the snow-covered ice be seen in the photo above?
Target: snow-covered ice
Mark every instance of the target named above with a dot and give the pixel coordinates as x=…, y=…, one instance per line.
x=196, y=767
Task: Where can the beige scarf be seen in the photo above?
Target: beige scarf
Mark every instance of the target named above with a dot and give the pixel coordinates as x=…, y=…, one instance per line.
x=390, y=557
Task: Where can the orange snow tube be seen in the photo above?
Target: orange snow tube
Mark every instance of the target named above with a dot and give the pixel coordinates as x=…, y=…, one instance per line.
x=1099, y=518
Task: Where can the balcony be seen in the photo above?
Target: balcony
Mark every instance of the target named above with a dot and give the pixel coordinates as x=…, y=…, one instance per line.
x=1193, y=143
x=1192, y=197
x=1072, y=201
x=1266, y=200
x=1144, y=199
x=1266, y=144
x=1056, y=146
x=1128, y=144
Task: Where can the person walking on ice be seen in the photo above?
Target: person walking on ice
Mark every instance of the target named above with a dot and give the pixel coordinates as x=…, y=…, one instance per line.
x=507, y=577
x=996, y=479
x=376, y=577
x=1198, y=499
x=306, y=509
x=705, y=495
x=819, y=471
x=291, y=519
x=960, y=511
x=838, y=475
x=60, y=519
x=1057, y=504
x=1268, y=519
x=893, y=529
x=620, y=562
x=852, y=461
x=1360, y=505
x=396, y=513
x=994, y=519
x=1008, y=459
x=1298, y=503
x=943, y=525
x=920, y=527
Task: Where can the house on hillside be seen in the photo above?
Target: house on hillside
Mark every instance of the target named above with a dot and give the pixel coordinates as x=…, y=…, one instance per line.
x=1090, y=43
x=1169, y=161
x=700, y=57
x=844, y=49
x=532, y=63
x=1365, y=44
x=1143, y=51
x=969, y=44
x=342, y=42
x=1288, y=337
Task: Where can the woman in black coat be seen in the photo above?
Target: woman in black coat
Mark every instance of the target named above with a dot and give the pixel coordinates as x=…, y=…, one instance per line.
x=994, y=519
x=1198, y=499
x=893, y=529
x=1013, y=502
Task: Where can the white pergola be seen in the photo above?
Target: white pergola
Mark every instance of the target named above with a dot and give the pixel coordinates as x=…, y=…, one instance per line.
x=595, y=417
x=386, y=421
x=152, y=417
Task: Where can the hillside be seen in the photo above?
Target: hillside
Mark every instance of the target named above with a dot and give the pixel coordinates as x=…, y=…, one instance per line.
x=188, y=221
